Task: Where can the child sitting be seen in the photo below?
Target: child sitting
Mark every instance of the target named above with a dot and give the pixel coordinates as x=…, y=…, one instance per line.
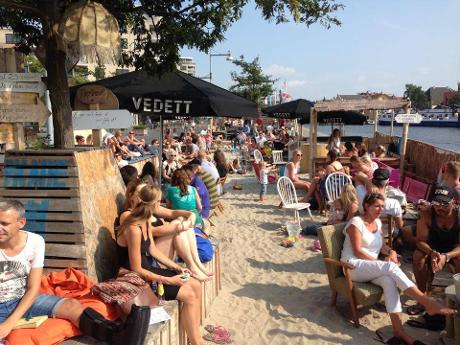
x=235, y=167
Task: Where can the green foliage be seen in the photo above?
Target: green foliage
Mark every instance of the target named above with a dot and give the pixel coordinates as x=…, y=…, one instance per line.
x=251, y=83
x=99, y=71
x=174, y=25
x=192, y=23
x=33, y=64
x=417, y=96
x=454, y=102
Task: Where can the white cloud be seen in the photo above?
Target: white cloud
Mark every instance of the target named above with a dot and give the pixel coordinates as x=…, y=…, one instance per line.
x=279, y=70
x=295, y=83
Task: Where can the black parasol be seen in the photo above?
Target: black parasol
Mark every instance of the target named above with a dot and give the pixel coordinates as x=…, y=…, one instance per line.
x=298, y=109
x=174, y=94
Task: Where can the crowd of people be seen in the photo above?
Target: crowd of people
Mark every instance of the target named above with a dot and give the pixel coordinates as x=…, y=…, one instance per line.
x=167, y=218
x=434, y=240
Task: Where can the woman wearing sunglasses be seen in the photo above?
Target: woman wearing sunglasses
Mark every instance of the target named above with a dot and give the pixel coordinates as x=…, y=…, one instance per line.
x=363, y=245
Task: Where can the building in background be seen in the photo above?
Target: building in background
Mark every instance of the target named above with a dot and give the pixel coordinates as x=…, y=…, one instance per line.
x=187, y=65
x=435, y=94
x=8, y=37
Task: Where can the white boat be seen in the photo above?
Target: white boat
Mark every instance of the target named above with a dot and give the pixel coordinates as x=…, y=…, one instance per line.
x=437, y=117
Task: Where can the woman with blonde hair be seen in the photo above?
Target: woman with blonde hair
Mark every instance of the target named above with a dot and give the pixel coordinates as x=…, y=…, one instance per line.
x=137, y=252
x=343, y=209
x=177, y=236
x=170, y=165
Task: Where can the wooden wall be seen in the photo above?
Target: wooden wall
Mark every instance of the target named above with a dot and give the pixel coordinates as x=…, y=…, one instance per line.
x=101, y=195
x=426, y=158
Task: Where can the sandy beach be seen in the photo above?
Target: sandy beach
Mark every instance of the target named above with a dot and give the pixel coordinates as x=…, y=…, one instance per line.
x=273, y=295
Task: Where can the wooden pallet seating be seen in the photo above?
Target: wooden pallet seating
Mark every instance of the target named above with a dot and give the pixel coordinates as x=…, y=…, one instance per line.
x=72, y=199
x=47, y=183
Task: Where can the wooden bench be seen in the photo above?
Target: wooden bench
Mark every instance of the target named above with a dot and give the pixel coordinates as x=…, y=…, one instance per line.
x=72, y=199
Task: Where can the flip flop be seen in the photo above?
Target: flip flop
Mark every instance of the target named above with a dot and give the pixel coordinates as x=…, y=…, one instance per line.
x=316, y=247
x=415, y=309
x=391, y=341
x=216, y=329
x=218, y=338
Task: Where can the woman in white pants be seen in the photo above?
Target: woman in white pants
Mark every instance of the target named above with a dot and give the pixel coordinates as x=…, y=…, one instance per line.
x=362, y=246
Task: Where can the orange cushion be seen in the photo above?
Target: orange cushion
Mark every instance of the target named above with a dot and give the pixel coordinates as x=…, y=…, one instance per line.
x=69, y=283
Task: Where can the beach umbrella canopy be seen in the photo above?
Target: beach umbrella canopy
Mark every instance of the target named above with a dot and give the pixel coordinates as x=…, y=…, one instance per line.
x=345, y=117
x=174, y=95
x=298, y=109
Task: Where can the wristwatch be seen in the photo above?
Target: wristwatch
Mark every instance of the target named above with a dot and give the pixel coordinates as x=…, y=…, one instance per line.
x=448, y=258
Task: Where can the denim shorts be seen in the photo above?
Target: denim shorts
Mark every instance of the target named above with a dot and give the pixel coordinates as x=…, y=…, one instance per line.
x=263, y=189
x=43, y=305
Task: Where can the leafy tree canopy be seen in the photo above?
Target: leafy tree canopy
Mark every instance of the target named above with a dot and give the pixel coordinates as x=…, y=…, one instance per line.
x=251, y=83
x=174, y=24
x=417, y=96
x=454, y=102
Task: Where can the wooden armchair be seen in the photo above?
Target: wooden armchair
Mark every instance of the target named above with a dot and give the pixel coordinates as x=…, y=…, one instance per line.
x=389, y=223
x=358, y=294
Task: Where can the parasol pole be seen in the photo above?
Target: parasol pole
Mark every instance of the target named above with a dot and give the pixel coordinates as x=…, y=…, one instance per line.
x=161, y=148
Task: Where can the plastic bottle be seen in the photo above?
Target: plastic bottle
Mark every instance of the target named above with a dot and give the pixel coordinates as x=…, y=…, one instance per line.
x=160, y=293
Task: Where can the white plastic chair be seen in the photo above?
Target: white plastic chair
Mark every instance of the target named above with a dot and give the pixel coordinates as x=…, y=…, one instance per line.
x=257, y=156
x=334, y=184
x=277, y=156
x=288, y=195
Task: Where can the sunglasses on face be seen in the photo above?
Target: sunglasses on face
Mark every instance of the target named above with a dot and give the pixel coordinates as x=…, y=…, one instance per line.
x=299, y=155
x=440, y=203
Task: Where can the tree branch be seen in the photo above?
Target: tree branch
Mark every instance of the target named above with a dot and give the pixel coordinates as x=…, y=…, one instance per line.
x=11, y=4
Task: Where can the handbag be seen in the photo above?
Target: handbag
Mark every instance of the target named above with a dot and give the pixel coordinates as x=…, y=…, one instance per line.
x=126, y=286
x=204, y=246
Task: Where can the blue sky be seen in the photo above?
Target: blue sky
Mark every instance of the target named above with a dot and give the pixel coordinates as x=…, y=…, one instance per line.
x=381, y=46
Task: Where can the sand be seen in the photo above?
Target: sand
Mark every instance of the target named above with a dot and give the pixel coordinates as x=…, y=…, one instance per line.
x=273, y=295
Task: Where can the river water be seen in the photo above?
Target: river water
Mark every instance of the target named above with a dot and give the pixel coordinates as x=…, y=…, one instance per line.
x=446, y=138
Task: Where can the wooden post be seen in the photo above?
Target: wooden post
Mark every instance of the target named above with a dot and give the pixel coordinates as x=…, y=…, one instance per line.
x=376, y=122
x=402, y=150
x=392, y=122
x=313, y=137
x=19, y=138
x=97, y=134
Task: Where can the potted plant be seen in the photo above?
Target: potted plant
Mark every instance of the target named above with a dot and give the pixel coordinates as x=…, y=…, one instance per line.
x=140, y=129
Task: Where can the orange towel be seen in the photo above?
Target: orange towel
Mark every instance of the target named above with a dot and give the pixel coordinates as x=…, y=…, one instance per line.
x=69, y=283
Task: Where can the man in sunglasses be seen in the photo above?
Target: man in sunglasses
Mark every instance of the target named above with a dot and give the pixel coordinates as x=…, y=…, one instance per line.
x=438, y=238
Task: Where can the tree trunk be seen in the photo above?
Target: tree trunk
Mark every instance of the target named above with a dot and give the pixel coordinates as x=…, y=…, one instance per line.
x=59, y=94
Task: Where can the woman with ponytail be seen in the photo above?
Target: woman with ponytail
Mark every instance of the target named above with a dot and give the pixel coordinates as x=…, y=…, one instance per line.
x=137, y=252
x=177, y=236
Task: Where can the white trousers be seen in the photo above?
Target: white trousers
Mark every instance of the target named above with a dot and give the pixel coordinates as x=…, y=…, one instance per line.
x=385, y=274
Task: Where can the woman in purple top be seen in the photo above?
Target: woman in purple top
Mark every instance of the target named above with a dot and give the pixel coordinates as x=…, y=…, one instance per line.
x=203, y=193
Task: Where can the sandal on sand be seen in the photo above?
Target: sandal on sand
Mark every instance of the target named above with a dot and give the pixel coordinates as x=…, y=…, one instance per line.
x=415, y=309
x=394, y=340
x=391, y=341
x=218, y=338
x=316, y=247
x=216, y=329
